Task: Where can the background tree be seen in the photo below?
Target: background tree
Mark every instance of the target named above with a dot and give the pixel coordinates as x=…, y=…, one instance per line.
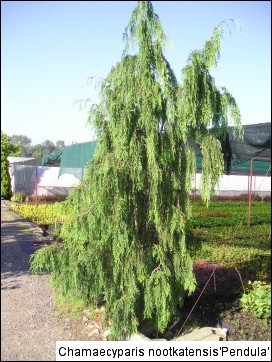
x=24, y=148
x=24, y=144
x=48, y=147
x=6, y=149
x=126, y=240
x=59, y=145
x=37, y=151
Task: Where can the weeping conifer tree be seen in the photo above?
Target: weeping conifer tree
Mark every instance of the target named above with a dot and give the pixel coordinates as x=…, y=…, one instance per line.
x=125, y=241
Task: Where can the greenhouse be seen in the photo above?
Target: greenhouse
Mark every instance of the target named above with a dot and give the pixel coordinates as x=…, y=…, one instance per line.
x=63, y=170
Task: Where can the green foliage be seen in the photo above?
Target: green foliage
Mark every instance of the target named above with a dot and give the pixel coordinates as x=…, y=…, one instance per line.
x=229, y=213
x=230, y=245
x=42, y=214
x=257, y=299
x=18, y=197
x=23, y=143
x=226, y=237
x=59, y=145
x=125, y=238
x=5, y=176
x=46, y=259
x=69, y=307
x=21, y=146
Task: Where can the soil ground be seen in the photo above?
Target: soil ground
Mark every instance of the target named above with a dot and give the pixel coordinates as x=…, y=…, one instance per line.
x=29, y=323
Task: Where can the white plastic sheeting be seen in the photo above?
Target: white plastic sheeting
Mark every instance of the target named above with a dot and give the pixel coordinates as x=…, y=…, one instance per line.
x=49, y=184
x=232, y=185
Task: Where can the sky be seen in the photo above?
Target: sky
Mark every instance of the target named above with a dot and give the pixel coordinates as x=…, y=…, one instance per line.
x=51, y=49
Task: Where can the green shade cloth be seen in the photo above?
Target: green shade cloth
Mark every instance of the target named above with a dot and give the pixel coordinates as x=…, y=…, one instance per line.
x=256, y=143
x=52, y=159
x=75, y=158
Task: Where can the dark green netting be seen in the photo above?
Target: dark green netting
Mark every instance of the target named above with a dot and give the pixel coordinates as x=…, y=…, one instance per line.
x=52, y=159
x=258, y=167
x=256, y=143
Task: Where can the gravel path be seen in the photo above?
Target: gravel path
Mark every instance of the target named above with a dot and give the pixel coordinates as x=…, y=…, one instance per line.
x=29, y=328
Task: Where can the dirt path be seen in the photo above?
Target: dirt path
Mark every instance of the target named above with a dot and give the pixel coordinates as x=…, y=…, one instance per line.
x=29, y=327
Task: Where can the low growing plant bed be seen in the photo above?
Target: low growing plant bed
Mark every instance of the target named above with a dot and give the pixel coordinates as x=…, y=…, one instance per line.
x=226, y=256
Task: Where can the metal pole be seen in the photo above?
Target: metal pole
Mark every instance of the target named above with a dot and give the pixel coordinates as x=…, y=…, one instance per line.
x=250, y=190
x=36, y=185
x=195, y=187
x=248, y=187
x=14, y=184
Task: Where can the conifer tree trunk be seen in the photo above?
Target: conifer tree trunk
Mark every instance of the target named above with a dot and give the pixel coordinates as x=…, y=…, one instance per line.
x=126, y=242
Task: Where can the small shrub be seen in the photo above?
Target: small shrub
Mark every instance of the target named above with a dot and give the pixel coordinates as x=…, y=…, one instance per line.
x=18, y=197
x=257, y=299
x=43, y=214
